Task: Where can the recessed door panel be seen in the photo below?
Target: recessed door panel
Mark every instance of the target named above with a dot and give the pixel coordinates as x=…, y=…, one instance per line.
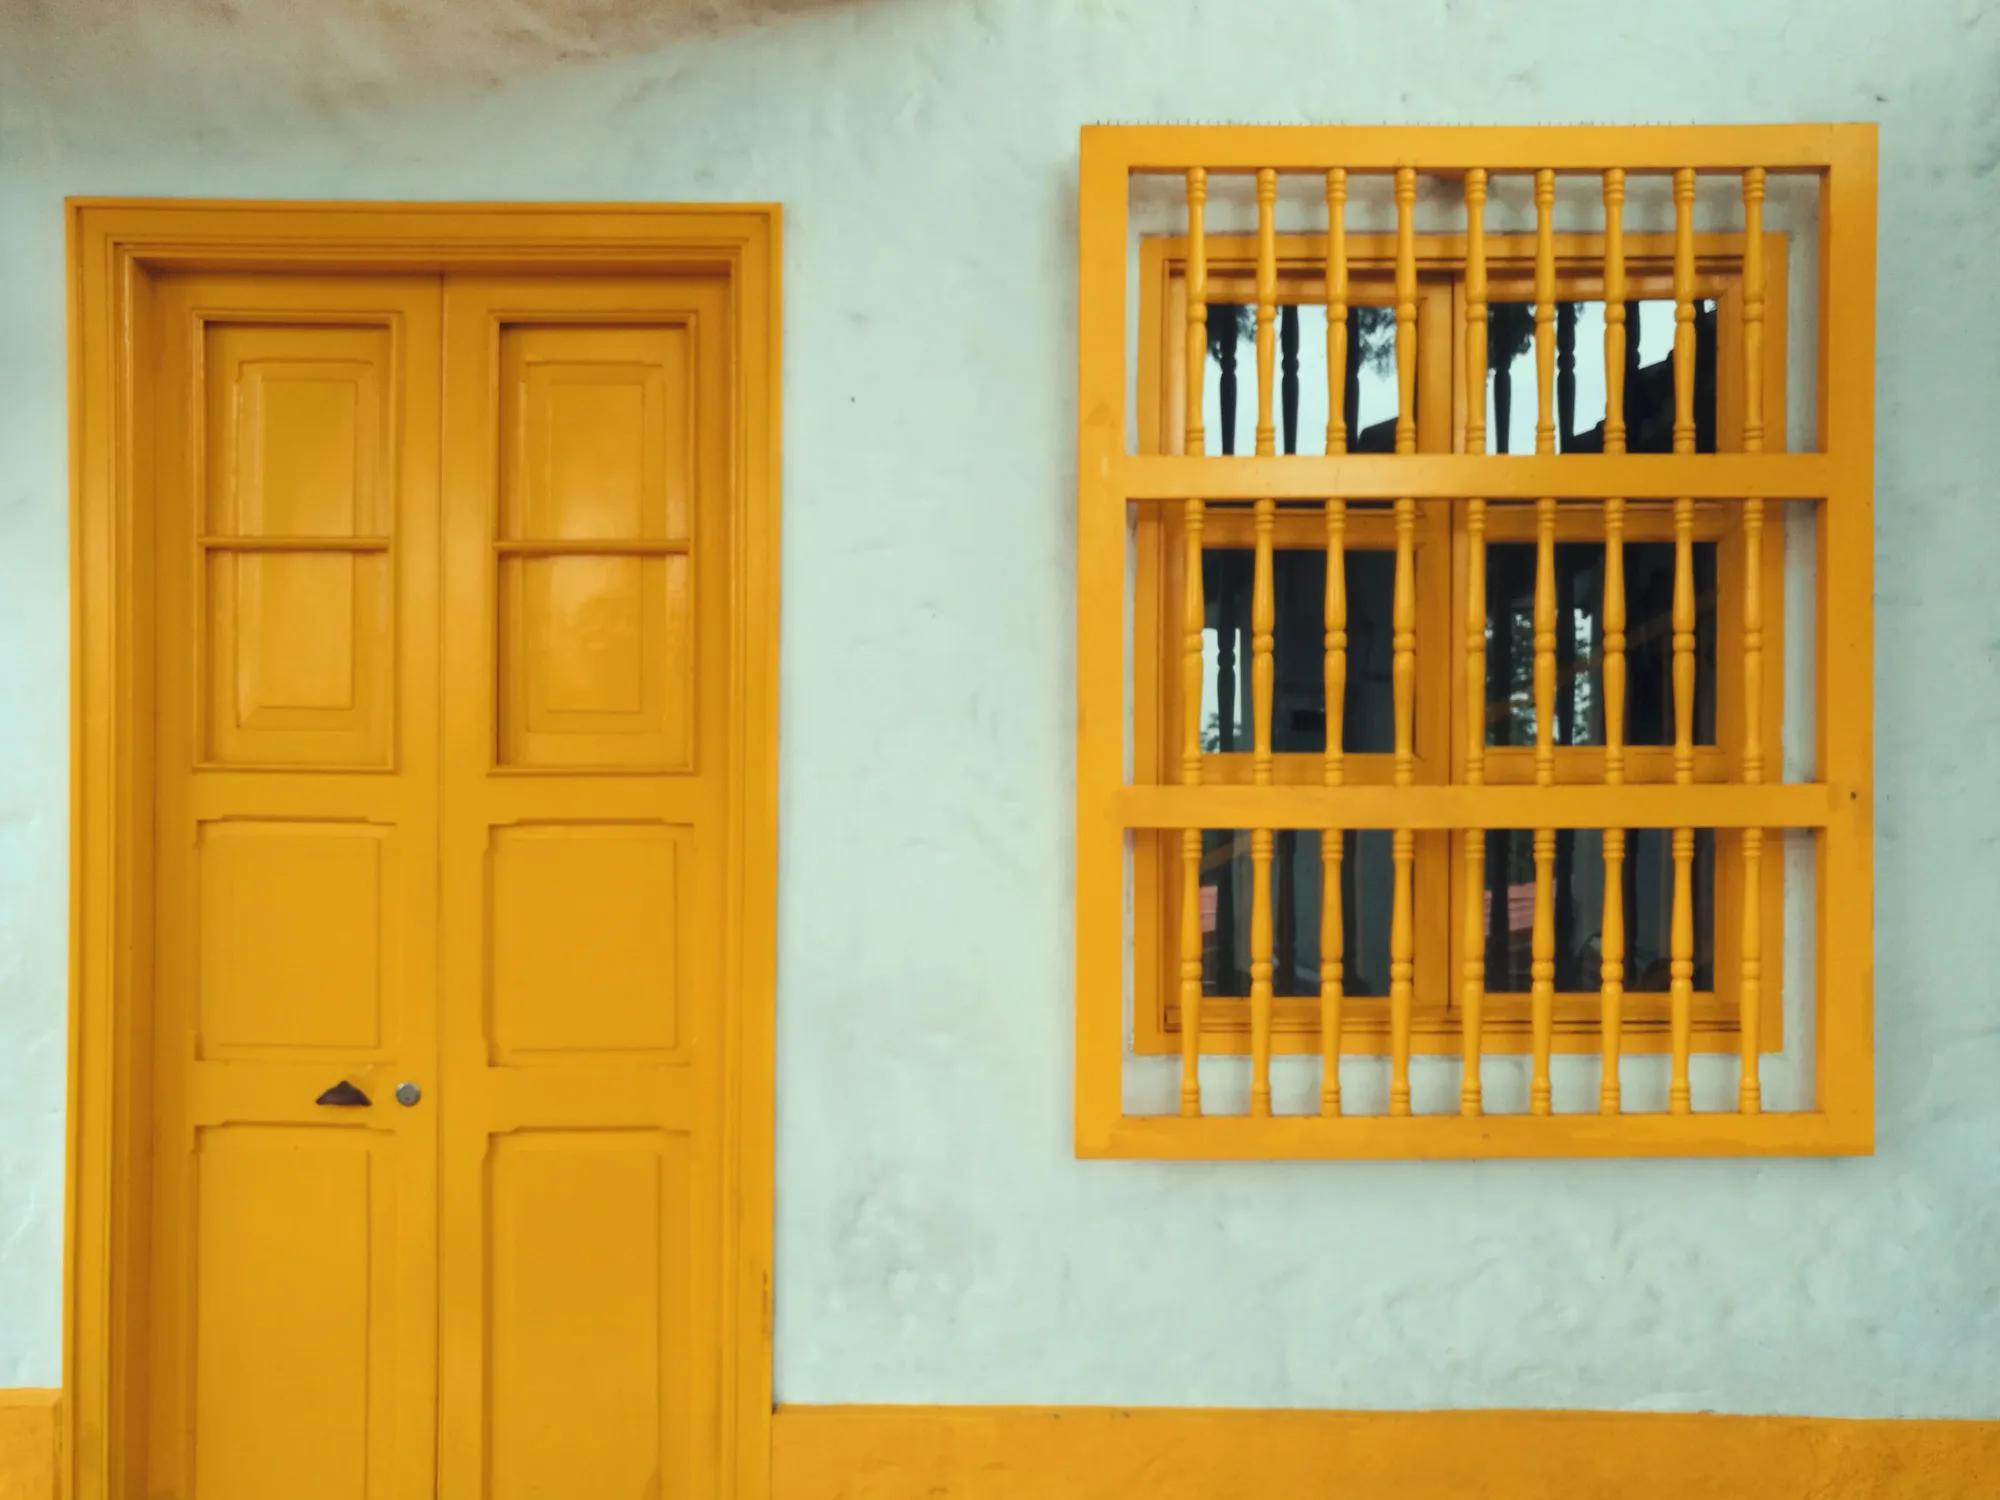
x=596, y=464
x=297, y=471
x=295, y=1337
x=587, y=1254
x=298, y=931
x=585, y=924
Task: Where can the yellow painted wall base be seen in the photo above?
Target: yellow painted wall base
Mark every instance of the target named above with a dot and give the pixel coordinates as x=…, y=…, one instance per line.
x=1104, y=1453
x=1110, y=1453
x=28, y=1444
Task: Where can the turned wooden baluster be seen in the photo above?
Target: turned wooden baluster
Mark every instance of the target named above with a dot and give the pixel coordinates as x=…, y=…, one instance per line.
x=1681, y=936
x=1262, y=666
x=1749, y=1094
x=1611, y=939
x=1194, y=618
x=1542, y=969
x=1473, y=990
x=1403, y=668
x=1332, y=955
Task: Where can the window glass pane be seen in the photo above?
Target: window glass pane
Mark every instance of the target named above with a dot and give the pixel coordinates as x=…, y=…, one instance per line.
x=1298, y=698
x=1578, y=892
x=1649, y=643
x=1299, y=407
x=1367, y=885
x=1514, y=397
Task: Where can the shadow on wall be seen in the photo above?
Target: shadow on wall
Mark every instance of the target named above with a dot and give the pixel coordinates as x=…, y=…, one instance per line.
x=200, y=54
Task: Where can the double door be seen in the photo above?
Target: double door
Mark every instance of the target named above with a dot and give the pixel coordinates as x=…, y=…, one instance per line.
x=441, y=678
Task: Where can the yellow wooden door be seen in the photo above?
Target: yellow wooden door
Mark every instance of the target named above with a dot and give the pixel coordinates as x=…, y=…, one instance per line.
x=293, y=1306
x=586, y=630
x=443, y=676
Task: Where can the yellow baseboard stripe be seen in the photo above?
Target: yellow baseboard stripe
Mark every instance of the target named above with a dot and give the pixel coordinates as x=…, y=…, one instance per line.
x=1109, y=1453
x=29, y=1444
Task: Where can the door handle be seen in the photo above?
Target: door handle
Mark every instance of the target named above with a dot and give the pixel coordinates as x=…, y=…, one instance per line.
x=344, y=1095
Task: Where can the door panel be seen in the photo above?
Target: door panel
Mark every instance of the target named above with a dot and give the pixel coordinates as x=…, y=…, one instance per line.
x=294, y=1244
x=585, y=787
x=300, y=638
x=298, y=910
x=587, y=1338
x=586, y=939
x=297, y=1230
x=597, y=467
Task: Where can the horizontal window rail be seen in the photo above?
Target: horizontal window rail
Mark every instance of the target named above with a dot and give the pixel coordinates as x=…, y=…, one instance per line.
x=1447, y=476
x=1460, y=807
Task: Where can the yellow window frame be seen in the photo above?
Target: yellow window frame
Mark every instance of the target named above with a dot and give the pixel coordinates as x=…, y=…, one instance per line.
x=1119, y=484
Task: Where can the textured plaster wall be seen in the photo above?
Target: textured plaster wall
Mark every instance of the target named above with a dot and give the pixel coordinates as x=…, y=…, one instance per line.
x=936, y=1240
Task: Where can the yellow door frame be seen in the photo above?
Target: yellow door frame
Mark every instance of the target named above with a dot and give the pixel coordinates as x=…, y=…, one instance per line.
x=116, y=248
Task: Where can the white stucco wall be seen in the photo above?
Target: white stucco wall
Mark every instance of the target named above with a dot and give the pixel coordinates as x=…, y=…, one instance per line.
x=937, y=1242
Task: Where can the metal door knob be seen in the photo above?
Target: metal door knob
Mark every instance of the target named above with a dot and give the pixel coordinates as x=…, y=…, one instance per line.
x=408, y=1094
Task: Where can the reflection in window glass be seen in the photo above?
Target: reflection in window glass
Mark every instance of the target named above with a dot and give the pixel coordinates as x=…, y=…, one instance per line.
x=1299, y=407
x=1298, y=698
x=1578, y=892
x=1514, y=397
x=1366, y=889
x=1649, y=643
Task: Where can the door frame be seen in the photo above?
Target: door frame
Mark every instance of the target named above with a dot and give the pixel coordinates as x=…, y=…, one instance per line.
x=115, y=249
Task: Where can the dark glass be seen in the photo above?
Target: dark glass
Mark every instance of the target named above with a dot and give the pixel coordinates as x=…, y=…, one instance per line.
x=1513, y=394
x=1578, y=890
x=1298, y=647
x=1367, y=886
x=1299, y=405
x=1649, y=643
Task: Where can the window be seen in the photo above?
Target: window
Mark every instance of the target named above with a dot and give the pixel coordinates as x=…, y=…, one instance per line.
x=1298, y=728
x=1520, y=662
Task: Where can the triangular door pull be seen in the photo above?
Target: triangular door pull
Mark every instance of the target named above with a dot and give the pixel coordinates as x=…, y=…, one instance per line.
x=343, y=1095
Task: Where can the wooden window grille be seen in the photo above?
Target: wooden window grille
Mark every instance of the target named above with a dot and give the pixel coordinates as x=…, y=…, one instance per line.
x=1422, y=554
